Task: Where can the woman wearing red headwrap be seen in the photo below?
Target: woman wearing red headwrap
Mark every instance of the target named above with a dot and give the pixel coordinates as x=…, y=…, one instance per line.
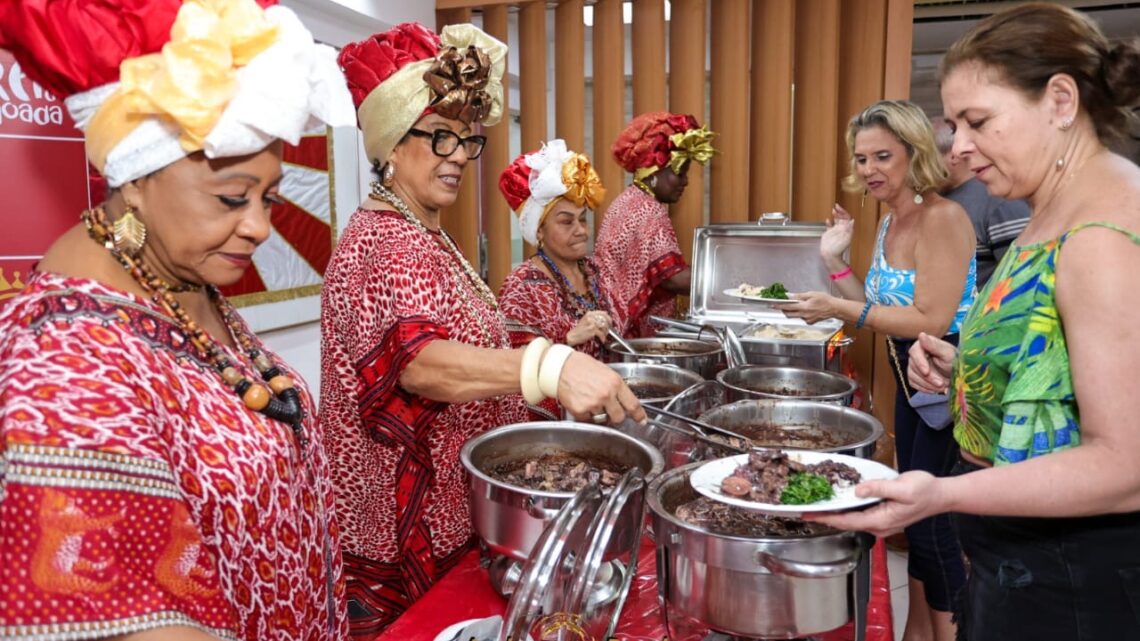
x=415, y=353
x=162, y=475
x=637, y=247
x=557, y=293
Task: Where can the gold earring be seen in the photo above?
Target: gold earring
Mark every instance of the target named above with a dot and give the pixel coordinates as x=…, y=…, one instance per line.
x=388, y=175
x=129, y=233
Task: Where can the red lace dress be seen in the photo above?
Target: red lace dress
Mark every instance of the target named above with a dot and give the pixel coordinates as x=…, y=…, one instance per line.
x=636, y=251
x=389, y=290
x=537, y=306
x=136, y=489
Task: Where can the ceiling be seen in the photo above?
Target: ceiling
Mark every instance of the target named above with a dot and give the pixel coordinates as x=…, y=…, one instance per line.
x=938, y=23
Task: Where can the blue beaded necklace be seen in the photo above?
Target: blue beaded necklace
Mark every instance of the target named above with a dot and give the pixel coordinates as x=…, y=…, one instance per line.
x=583, y=304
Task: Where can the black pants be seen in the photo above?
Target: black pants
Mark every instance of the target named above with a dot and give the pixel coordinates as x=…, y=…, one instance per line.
x=1074, y=579
x=934, y=555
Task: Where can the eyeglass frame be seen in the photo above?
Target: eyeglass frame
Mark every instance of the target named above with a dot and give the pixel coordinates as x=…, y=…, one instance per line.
x=439, y=135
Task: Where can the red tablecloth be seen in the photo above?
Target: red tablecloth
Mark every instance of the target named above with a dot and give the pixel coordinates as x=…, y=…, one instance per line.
x=466, y=593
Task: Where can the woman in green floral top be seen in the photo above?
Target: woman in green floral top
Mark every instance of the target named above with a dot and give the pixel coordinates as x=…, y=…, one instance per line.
x=1043, y=388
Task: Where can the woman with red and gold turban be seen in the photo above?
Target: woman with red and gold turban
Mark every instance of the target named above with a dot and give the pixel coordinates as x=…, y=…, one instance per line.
x=557, y=293
x=416, y=358
x=637, y=248
x=162, y=474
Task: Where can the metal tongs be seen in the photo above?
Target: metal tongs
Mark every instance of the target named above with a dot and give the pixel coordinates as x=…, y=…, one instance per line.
x=621, y=341
x=700, y=427
x=733, y=349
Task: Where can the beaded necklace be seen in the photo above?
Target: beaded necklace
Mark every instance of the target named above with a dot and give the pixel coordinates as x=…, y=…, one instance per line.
x=384, y=194
x=282, y=404
x=580, y=304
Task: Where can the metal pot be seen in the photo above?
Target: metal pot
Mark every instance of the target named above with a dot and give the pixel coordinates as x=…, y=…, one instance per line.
x=702, y=357
x=656, y=384
x=798, y=383
x=855, y=431
x=764, y=587
x=510, y=519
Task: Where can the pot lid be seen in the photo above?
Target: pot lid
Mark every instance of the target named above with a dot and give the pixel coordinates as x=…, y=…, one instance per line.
x=724, y=256
x=540, y=593
x=602, y=577
x=576, y=579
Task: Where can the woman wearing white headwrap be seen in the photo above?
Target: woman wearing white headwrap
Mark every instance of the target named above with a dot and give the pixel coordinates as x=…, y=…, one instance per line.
x=557, y=294
x=162, y=475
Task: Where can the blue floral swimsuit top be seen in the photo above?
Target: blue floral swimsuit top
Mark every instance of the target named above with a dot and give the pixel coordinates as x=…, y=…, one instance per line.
x=886, y=285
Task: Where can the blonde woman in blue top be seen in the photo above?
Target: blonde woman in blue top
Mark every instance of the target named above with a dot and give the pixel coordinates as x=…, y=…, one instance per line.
x=921, y=279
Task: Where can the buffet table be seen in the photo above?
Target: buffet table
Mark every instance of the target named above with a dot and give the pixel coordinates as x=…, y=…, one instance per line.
x=466, y=593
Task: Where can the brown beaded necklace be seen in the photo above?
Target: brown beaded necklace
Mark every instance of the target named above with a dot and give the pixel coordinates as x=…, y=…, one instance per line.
x=284, y=404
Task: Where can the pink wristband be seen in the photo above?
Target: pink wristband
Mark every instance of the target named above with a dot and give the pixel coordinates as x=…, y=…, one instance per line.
x=841, y=275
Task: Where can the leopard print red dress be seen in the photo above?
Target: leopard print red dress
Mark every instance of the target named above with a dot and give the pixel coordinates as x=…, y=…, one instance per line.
x=636, y=251
x=389, y=291
x=536, y=306
x=136, y=489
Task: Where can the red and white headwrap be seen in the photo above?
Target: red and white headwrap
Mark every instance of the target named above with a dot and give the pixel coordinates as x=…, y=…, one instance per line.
x=534, y=182
x=150, y=82
x=661, y=139
x=398, y=76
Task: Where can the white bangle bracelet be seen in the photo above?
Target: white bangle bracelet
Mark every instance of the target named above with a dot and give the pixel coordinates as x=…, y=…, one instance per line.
x=551, y=370
x=528, y=373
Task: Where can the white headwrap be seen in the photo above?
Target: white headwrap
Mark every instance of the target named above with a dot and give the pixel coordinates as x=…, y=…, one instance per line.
x=291, y=87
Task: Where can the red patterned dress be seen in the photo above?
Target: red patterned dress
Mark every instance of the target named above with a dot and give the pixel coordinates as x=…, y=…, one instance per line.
x=391, y=289
x=137, y=491
x=536, y=306
x=636, y=251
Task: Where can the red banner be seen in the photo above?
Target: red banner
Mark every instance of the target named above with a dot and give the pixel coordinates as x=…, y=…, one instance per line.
x=44, y=183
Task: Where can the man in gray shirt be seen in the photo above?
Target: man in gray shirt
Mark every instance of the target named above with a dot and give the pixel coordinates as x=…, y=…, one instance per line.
x=996, y=221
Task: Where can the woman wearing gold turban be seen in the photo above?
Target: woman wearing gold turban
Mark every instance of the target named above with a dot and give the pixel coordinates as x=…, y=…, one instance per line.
x=416, y=357
x=162, y=475
x=637, y=247
x=557, y=293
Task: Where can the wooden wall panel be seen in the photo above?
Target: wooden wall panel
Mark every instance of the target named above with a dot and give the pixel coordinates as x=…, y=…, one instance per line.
x=773, y=60
x=461, y=219
x=570, y=74
x=817, y=99
x=609, y=98
x=496, y=156
x=687, y=95
x=728, y=198
x=532, y=77
x=862, y=46
x=648, y=34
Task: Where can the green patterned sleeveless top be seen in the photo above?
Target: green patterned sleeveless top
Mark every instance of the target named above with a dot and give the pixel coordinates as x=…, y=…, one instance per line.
x=1012, y=390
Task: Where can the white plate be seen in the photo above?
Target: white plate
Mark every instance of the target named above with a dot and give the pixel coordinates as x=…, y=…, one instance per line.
x=707, y=478
x=758, y=299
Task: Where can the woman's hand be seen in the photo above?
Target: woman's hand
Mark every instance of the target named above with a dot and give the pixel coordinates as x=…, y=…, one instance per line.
x=592, y=325
x=588, y=388
x=810, y=306
x=931, y=364
x=911, y=497
x=837, y=238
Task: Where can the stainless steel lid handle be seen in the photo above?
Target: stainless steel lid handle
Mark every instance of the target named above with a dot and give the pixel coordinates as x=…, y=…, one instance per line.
x=534, y=508
x=805, y=570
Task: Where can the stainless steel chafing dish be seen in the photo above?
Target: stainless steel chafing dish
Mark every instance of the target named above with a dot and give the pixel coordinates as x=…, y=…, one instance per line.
x=724, y=256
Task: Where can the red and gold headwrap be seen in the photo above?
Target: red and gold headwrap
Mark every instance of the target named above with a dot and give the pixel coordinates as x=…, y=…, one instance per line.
x=150, y=82
x=534, y=182
x=661, y=139
x=397, y=76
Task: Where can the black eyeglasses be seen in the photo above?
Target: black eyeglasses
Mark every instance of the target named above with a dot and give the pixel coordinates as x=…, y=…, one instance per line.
x=445, y=142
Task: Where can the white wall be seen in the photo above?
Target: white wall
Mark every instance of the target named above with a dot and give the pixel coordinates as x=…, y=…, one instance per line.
x=335, y=22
